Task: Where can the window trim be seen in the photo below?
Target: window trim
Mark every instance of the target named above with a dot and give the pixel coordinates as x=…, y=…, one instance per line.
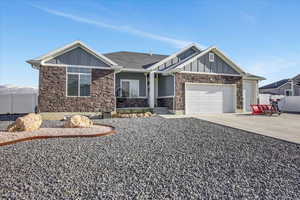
x=288, y=90
x=129, y=80
x=211, y=57
x=77, y=73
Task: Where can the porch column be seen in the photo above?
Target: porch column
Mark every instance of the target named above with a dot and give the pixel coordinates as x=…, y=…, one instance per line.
x=151, y=89
x=292, y=87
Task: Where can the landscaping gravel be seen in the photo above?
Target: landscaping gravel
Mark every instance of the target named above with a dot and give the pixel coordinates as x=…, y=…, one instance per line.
x=153, y=158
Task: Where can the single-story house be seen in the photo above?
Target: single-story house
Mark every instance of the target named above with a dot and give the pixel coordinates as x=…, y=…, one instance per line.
x=286, y=87
x=75, y=78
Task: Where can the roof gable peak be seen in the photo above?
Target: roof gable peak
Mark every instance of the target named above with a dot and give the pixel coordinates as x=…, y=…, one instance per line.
x=77, y=43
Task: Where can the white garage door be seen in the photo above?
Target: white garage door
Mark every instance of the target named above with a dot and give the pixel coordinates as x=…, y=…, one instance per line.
x=249, y=92
x=206, y=98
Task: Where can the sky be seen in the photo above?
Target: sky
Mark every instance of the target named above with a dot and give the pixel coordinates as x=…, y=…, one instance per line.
x=261, y=36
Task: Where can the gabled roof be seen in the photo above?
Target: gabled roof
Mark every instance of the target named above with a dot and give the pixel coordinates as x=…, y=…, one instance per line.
x=276, y=84
x=193, y=45
x=218, y=52
x=134, y=60
x=41, y=59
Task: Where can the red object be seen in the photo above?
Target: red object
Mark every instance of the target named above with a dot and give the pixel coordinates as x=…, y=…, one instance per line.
x=260, y=109
x=256, y=109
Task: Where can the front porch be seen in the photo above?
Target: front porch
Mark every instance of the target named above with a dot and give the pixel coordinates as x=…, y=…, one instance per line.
x=144, y=90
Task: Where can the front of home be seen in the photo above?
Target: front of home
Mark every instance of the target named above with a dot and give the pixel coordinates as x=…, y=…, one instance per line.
x=76, y=78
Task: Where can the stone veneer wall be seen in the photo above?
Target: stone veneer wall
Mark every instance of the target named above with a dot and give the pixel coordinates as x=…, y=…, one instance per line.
x=52, y=92
x=165, y=102
x=181, y=78
x=132, y=102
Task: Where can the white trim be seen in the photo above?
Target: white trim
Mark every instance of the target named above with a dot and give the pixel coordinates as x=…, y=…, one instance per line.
x=174, y=55
x=81, y=66
x=72, y=46
x=134, y=70
x=235, y=92
x=211, y=57
x=115, y=95
x=209, y=73
x=142, y=97
x=77, y=73
x=164, y=97
x=146, y=74
x=192, y=83
x=42, y=59
x=130, y=80
x=253, y=78
x=216, y=51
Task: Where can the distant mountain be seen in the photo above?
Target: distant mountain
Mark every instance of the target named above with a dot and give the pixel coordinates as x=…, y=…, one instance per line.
x=13, y=89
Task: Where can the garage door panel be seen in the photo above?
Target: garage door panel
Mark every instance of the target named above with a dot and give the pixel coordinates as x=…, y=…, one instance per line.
x=201, y=98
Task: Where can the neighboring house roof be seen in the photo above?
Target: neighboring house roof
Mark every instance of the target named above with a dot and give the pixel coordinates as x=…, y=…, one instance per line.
x=135, y=60
x=275, y=84
x=297, y=77
x=44, y=58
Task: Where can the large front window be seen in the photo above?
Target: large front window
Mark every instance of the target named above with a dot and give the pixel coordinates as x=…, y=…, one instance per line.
x=78, y=82
x=129, y=88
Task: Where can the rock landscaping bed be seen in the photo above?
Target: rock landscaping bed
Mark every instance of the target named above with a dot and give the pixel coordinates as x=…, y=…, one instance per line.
x=44, y=133
x=152, y=158
x=28, y=128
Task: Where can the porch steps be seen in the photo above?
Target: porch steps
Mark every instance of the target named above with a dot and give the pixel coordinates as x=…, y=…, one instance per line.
x=161, y=110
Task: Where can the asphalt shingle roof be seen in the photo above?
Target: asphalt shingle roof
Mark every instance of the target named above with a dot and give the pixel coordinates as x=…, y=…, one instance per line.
x=275, y=84
x=135, y=60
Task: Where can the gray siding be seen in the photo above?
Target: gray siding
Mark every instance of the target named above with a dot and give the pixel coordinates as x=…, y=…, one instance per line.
x=78, y=56
x=165, y=85
x=202, y=64
x=133, y=76
x=186, y=54
x=178, y=58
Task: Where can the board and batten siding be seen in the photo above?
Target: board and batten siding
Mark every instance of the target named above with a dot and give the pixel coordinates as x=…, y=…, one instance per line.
x=78, y=56
x=178, y=58
x=133, y=76
x=202, y=64
x=165, y=85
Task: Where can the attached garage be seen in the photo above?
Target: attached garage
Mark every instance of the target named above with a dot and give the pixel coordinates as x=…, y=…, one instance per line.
x=202, y=98
x=250, y=92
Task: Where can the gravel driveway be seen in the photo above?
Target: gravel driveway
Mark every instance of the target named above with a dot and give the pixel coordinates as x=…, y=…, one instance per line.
x=153, y=158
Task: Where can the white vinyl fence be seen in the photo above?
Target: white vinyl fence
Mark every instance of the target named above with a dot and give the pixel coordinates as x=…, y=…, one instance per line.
x=265, y=98
x=290, y=104
x=17, y=103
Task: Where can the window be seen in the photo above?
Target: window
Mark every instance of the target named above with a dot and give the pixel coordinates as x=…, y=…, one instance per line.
x=78, y=82
x=211, y=57
x=288, y=92
x=129, y=88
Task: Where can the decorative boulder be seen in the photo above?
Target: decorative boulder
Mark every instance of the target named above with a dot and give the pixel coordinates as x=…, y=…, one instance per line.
x=28, y=122
x=148, y=114
x=78, y=121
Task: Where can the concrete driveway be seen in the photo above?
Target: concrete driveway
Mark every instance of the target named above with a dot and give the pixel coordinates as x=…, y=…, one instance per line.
x=285, y=126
